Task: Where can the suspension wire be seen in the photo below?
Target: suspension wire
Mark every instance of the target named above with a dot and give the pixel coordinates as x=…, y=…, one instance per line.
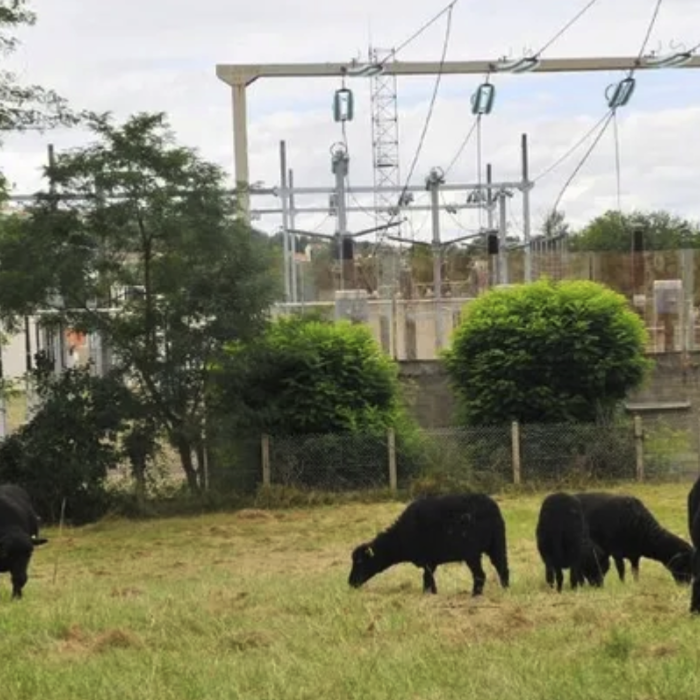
x=433, y=99
x=364, y=210
x=616, y=137
x=463, y=145
x=583, y=160
x=447, y=9
x=479, y=167
x=571, y=150
x=431, y=107
x=650, y=28
x=570, y=23
x=610, y=116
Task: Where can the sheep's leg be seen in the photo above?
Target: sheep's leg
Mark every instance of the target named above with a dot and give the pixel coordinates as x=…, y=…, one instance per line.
x=634, y=565
x=549, y=575
x=575, y=577
x=19, y=580
x=477, y=571
x=620, y=566
x=559, y=574
x=695, y=598
x=429, y=579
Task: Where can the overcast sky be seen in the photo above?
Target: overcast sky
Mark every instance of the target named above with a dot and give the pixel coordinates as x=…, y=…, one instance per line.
x=133, y=56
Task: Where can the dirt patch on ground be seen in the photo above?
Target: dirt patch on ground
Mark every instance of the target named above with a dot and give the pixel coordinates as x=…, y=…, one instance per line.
x=254, y=514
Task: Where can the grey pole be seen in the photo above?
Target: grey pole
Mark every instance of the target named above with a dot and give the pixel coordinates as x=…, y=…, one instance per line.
x=285, y=220
x=502, y=230
x=433, y=182
x=489, y=196
x=526, y=207
x=296, y=283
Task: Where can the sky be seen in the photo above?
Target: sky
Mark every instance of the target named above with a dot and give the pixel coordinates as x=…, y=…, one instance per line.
x=134, y=56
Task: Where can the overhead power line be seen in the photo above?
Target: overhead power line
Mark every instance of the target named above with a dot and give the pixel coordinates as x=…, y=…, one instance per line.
x=610, y=116
x=445, y=10
x=569, y=24
x=571, y=150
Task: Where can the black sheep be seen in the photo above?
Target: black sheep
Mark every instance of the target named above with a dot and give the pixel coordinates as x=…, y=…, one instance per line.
x=623, y=527
x=694, y=528
x=19, y=534
x=563, y=543
x=436, y=530
x=695, y=536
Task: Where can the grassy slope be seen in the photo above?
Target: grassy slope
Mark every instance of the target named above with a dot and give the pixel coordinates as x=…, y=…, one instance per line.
x=256, y=605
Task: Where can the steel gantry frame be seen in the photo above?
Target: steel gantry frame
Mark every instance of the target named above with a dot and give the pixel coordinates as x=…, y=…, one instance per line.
x=240, y=76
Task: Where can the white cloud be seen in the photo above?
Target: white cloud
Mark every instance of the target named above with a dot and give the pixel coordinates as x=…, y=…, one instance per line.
x=133, y=56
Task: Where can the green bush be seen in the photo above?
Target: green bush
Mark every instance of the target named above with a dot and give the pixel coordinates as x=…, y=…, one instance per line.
x=325, y=393
x=546, y=352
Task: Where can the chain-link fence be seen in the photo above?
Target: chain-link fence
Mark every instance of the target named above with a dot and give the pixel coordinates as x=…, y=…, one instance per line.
x=336, y=462
x=557, y=453
x=671, y=446
x=486, y=457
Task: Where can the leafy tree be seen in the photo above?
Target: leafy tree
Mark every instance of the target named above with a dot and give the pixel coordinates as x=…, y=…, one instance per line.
x=614, y=230
x=149, y=231
x=555, y=225
x=306, y=375
x=546, y=352
x=24, y=107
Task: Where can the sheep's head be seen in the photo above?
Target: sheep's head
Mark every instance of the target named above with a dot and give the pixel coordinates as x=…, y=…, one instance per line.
x=681, y=566
x=365, y=565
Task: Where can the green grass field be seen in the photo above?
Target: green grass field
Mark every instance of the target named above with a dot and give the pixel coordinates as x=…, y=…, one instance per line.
x=256, y=605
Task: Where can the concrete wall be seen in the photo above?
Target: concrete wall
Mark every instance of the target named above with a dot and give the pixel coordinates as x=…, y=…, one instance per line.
x=673, y=384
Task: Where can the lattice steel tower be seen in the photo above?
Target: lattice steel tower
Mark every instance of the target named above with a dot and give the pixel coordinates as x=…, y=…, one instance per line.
x=385, y=137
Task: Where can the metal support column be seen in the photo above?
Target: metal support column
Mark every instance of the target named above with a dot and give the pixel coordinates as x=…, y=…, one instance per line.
x=433, y=182
x=502, y=242
x=526, y=207
x=240, y=145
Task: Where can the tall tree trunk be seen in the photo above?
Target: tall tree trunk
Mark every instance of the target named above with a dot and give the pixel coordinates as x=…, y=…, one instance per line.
x=184, y=449
x=200, y=449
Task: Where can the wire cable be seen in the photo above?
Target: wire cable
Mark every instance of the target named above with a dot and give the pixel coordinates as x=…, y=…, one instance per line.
x=570, y=23
x=463, y=145
x=344, y=135
x=447, y=9
x=610, y=116
x=428, y=118
x=478, y=169
x=617, y=161
x=650, y=28
x=433, y=99
x=571, y=150
x=583, y=160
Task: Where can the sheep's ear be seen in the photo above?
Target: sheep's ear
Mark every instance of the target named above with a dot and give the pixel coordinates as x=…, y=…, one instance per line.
x=370, y=551
x=36, y=541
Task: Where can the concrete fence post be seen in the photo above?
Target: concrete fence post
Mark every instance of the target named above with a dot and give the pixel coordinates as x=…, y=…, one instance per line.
x=265, y=454
x=391, y=449
x=515, y=444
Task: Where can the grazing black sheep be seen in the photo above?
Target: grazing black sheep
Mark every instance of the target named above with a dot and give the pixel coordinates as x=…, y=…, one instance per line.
x=623, y=527
x=436, y=530
x=695, y=590
x=564, y=543
x=19, y=534
x=694, y=529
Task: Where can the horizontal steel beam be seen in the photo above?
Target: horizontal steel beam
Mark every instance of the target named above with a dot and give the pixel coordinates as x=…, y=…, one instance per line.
x=325, y=210
x=247, y=73
x=281, y=191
